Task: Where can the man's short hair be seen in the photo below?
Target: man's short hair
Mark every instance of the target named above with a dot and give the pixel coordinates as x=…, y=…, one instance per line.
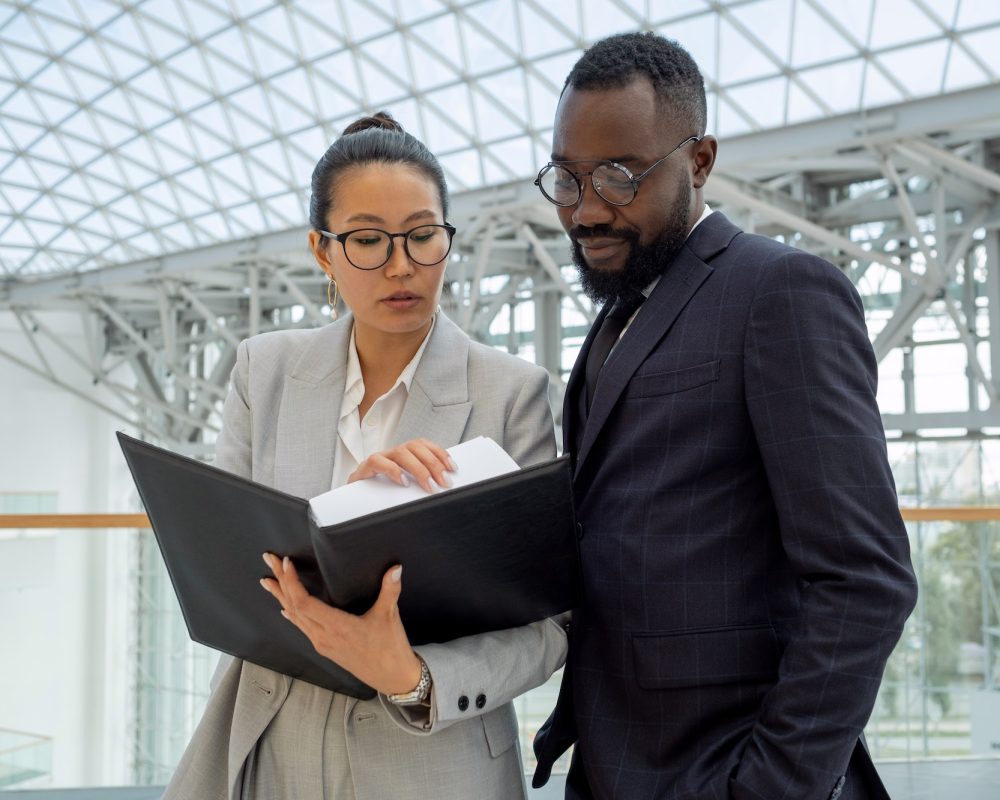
x=616, y=61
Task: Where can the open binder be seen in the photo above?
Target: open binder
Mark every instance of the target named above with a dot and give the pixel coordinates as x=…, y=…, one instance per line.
x=496, y=554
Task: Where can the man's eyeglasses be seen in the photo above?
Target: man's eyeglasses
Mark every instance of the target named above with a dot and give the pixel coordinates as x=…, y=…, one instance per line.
x=371, y=248
x=613, y=182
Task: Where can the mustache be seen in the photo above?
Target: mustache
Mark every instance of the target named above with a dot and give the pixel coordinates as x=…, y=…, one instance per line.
x=578, y=232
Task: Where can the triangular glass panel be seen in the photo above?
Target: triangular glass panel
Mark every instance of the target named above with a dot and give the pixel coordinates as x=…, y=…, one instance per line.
x=508, y=88
x=21, y=134
x=494, y=170
x=495, y=121
x=816, y=40
x=887, y=30
x=664, y=10
x=879, y=90
x=139, y=161
x=107, y=167
x=82, y=126
x=541, y=35
x=984, y=44
x=95, y=229
x=263, y=180
x=54, y=109
x=154, y=214
x=233, y=170
x=188, y=77
x=223, y=76
x=58, y=34
x=732, y=120
x=415, y=10
x=697, y=35
x=102, y=191
x=165, y=37
x=50, y=148
x=453, y=127
x=72, y=210
x=248, y=216
x=113, y=104
x=739, y=58
x=542, y=100
x=435, y=53
x=173, y=146
x=363, y=22
x=516, y=156
x=312, y=37
x=962, y=71
x=495, y=19
x=22, y=29
x=288, y=207
x=838, y=85
x=210, y=130
x=125, y=39
x=44, y=210
x=18, y=198
x=44, y=231
x=601, y=19
x=463, y=169
x=86, y=85
x=253, y=104
x=763, y=100
x=27, y=63
x=68, y=241
x=385, y=74
x=162, y=194
x=770, y=21
x=98, y=13
x=126, y=208
x=80, y=152
x=338, y=71
x=17, y=234
x=270, y=56
x=978, y=12
x=920, y=69
x=74, y=188
x=288, y=116
x=248, y=130
x=179, y=234
x=310, y=143
x=113, y=132
x=271, y=156
x=212, y=228
x=489, y=54
x=191, y=204
x=408, y=114
x=195, y=181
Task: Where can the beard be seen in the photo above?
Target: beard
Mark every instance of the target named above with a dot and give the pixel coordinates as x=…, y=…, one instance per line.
x=643, y=264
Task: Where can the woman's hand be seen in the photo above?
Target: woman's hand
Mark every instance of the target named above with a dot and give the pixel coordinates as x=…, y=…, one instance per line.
x=373, y=647
x=421, y=458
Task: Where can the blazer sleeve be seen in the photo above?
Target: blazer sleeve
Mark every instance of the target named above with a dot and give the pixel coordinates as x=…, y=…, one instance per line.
x=497, y=666
x=810, y=382
x=233, y=447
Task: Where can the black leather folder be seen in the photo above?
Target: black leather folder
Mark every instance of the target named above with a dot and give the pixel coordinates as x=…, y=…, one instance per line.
x=491, y=555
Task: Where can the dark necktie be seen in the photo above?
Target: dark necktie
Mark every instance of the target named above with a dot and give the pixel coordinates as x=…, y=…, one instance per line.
x=606, y=338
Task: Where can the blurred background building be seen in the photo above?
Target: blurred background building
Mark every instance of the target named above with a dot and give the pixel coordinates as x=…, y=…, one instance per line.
x=155, y=158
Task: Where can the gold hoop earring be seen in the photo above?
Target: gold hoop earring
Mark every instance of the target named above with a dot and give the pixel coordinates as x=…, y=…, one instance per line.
x=332, y=300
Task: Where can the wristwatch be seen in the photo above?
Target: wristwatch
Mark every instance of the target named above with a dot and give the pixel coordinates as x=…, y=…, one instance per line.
x=417, y=695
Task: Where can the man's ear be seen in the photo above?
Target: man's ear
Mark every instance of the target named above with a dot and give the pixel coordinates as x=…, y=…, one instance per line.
x=317, y=244
x=703, y=159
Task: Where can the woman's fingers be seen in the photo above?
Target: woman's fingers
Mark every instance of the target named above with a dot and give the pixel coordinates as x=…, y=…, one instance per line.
x=426, y=462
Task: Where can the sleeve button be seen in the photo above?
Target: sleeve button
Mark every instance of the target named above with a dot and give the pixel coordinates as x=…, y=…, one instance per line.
x=463, y=703
x=481, y=701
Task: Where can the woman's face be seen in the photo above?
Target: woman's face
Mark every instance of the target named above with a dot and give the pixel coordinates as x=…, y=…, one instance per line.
x=401, y=296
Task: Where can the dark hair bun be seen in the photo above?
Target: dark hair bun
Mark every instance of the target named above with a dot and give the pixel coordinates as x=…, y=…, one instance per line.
x=380, y=119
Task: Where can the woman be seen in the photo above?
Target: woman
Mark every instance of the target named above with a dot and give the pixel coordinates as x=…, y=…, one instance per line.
x=311, y=409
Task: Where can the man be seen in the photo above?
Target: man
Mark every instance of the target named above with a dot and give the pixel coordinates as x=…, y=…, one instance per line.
x=746, y=570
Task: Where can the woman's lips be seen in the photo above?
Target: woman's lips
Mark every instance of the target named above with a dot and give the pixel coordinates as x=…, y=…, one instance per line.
x=401, y=300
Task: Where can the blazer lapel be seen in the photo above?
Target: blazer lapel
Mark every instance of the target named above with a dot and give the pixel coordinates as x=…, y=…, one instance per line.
x=306, y=436
x=680, y=281
x=438, y=405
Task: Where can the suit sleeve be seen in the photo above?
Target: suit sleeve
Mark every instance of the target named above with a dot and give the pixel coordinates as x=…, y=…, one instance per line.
x=501, y=665
x=233, y=447
x=811, y=376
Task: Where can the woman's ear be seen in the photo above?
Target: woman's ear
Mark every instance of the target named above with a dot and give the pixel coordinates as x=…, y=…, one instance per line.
x=317, y=244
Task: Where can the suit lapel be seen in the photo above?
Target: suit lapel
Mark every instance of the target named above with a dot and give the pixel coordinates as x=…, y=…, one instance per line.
x=438, y=405
x=309, y=413
x=680, y=281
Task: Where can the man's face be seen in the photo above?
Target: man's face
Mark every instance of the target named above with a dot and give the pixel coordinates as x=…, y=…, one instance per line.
x=621, y=248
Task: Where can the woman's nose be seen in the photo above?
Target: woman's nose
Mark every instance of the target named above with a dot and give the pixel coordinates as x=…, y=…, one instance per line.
x=399, y=264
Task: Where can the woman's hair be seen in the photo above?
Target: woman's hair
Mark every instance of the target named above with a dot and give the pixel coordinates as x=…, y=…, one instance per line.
x=377, y=139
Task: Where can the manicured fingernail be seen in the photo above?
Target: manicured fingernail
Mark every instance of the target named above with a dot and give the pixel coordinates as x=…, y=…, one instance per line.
x=396, y=574
x=285, y=615
x=263, y=582
x=405, y=478
x=446, y=481
x=286, y=562
x=267, y=559
x=452, y=465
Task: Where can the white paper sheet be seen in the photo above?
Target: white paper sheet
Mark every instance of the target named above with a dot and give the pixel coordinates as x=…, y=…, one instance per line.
x=476, y=460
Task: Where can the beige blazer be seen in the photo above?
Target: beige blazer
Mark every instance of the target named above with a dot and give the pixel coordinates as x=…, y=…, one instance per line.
x=280, y=428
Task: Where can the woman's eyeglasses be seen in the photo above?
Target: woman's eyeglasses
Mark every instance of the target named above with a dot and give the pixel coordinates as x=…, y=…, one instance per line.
x=371, y=248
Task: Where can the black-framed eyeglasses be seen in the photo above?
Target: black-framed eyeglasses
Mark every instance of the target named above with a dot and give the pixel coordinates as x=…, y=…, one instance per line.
x=613, y=182
x=371, y=248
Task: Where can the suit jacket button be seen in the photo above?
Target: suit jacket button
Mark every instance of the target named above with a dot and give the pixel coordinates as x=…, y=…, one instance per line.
x=481, y=701
x=463, y=703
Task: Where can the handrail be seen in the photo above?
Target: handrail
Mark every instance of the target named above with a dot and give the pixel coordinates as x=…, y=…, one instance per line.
x=910, y=514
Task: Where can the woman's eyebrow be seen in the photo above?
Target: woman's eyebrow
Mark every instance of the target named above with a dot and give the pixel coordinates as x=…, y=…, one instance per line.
x=366, y=217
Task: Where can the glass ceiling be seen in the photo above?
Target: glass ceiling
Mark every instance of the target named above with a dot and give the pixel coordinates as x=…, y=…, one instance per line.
x=132, y=129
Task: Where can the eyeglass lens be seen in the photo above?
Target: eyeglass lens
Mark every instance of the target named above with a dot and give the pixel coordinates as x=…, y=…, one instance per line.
x=370, y=249
x=562, y=187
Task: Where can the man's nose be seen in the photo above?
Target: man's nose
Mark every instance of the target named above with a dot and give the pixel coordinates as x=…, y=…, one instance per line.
x=592, y=210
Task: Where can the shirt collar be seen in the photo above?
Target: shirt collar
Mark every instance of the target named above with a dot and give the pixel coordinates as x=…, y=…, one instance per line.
x=355, y=384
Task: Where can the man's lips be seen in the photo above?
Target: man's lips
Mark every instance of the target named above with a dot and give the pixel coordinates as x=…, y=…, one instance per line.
x=598, y=246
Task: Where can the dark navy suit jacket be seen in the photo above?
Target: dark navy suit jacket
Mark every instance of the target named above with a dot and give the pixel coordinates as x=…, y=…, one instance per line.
x=746, y=569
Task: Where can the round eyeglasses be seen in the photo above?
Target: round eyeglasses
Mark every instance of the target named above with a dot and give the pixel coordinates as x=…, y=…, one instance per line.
x=371, y=248
x=613, y=182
